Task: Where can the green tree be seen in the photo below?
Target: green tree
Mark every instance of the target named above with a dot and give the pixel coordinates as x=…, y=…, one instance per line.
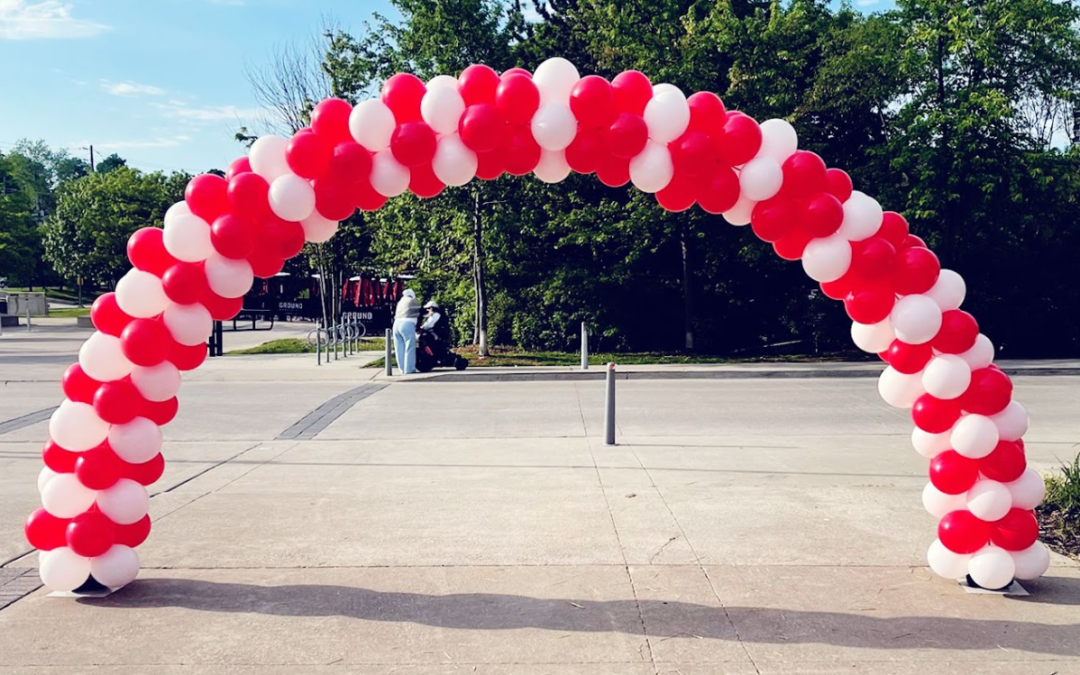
x=20, y=242
x=111, y=163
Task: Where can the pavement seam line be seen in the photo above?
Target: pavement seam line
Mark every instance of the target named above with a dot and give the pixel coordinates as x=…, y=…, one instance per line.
x=26, y=420
x=316, y=421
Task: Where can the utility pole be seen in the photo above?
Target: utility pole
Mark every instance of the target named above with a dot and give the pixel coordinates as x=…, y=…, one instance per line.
x=92, y=169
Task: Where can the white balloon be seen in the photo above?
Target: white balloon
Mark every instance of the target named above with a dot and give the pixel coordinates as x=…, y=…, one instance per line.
x=862, y=217
x=974, y=436
x=124, y=503
x=930, y=445
x=937, y=503
x=102, y=358
x=948, y=291
x=916, y=319
x=228, y=277
x=141, y=295
x=137, y=441
x=63, y=570
x=1027, y=491
x=267, y=157
x=442, y=109
x=945, y=563
x=552, y=167
x=454, y=163
x=664, y=87
x=872, y=338
x=156, y=383
x=65, y=497
x=554, y=126
x=371, y=124
x=1032, y=562
x=117, y=567
x=761, y=178
x=442, y=81
x=739, y=215
x=76, y=427
x=652, y=169
x=778, y=140
x=946, y=376
x=827, y=258
x=981, y=353
x=899, y=389
x=989, y=500
x=187, y=238
x=178, y=209
x=388, y=176
x=667, y=114
x=992, y=567
x=1012, y=422
x=44, y=476
x=555, y=78
x=190, y=325
x=318, y=228
x=291, y=197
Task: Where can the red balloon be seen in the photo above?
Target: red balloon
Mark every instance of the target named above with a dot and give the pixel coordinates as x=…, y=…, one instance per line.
x=515, y=71
x=45, y=531
x=477, y=84
x=804, y=175
x=585, y=151
x=718, y=190
x=264, y=260
x=99, y=468
x=740, y=140
x=838, y=184
x=160, y=412
x=146, y=342
x=221, y=309
x=117, y=402
x=185, y=283
x=774, y=219
x=1016, y=531
x=490, y=165
x=613, y=171
x=107, y=316
x=989, y=392
x=334, y=198
x=146, y=251
x=330, y=120
x=592, y=100
x=908, y=359
x=77, y=385
x=957, y=333
x=517, y=98
x=707, y=113
x=627, y=135
x=633, y=91
x=57, y=458
x=894, y=228
x=838, y=289
x=233, y=236
x=916, y=271
x=872, y=258
x=350, y=163
x=413, y=143
x=952, y=473
x=522, y=151
x=424, y=183
x=248, y=195
x=911, y=241
x=961, y=532
x=793, y=245
x=402, y=93
x=308, y=154
x=187, y=358
x=679, y=194
x=134, y=534
x=693, y=153
x=482, y=129
x=239, y=165
x=366, y=198
x=822, y=214
x=90, y=534
x=870, y=304
x=207, y=196
x=146, y=473
x=1005, y=464
x=935, y=415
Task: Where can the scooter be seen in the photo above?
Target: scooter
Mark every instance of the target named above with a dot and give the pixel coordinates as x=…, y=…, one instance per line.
x=432, y=353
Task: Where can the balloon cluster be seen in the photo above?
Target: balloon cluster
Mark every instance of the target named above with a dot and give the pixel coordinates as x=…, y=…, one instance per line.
x=105, y=442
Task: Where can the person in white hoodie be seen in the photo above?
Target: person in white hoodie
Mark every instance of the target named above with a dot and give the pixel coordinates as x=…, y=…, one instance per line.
x=405, y=316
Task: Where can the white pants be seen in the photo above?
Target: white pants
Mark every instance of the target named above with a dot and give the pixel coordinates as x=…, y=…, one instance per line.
x=405, y=345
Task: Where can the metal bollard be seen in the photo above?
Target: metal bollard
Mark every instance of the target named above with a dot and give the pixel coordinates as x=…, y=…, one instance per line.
x=346, y=339
x=318, y=343
x=584, y=346
x=609, y=405
x=389, y=363
x=28, y=315
x=335, y=339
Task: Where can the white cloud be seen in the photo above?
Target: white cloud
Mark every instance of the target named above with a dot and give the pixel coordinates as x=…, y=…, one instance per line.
x=867, y=3
x=45, y=20
x=208, y=113
x=160, y=142
x=131, y=88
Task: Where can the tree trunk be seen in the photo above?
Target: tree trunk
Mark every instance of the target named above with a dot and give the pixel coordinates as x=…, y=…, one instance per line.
x=688, y=290
x=480, y=338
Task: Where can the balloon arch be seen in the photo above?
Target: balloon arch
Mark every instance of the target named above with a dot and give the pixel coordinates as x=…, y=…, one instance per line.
x=105, y=438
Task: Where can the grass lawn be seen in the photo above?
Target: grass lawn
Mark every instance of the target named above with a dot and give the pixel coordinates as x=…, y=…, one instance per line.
x=301, y=346
x=69, y=312
x=66, y=295
x=1059, y=514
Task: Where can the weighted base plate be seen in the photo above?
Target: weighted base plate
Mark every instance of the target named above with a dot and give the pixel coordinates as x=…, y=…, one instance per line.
x=1012, y=589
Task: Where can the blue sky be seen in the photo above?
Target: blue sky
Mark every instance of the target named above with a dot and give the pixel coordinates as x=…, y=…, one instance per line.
x=160, y=82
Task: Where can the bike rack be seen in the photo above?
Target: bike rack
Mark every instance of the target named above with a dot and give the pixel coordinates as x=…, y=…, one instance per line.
x=337, y=341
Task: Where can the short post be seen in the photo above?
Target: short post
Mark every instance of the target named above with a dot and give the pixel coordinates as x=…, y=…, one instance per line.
x=584, y=346
x=27, y=314
x=334, y=340
x=318, y=343
x=389, y=363
x=609, y=407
